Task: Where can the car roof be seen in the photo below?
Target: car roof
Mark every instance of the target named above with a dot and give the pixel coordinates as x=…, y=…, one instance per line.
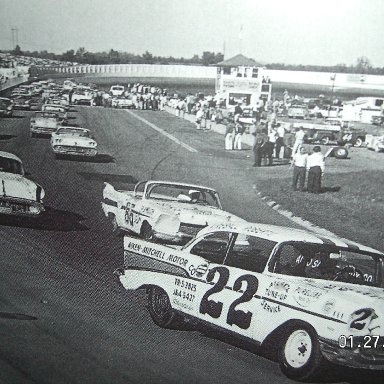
x=175, y=183
x=282, y=234
x=10, y=156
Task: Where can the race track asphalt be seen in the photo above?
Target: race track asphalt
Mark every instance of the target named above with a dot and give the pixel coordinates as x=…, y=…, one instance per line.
x=64, y=317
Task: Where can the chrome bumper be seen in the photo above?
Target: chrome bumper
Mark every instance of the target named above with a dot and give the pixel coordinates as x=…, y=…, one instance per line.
x=356, y=358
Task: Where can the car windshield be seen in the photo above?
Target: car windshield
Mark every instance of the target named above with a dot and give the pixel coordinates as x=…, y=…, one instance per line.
x=183, y=193
x=73, y=132
x=327, y=262
x=11, y=166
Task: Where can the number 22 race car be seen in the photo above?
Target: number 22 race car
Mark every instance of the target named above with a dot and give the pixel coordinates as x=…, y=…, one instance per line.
x=308, y=299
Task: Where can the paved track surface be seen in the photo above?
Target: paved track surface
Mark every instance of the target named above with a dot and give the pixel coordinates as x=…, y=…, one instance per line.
x=64, y=318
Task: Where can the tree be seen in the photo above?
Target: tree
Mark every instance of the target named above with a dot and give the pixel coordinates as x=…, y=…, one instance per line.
x=17, y=50
x=147, y=57
x=363, y=64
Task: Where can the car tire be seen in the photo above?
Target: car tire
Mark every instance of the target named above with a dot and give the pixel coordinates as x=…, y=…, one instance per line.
x=160, y=308
x=359, y=142
x=299, y=354
x=340, y=153
x=376, y=148
x=146, y=231
x=325, y=140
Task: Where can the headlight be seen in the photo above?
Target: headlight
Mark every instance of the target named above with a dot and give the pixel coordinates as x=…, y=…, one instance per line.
x=92, y=143
x=361, y=319
x=58, y=140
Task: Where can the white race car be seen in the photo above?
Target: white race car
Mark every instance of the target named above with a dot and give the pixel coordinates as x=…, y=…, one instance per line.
x=307, y=299
x=18, y=195
x=60, y=110
x=117, y=90
x=164, y=210
x=122, y=102
x=73, y=141
x=375, y=142
x=44, y=123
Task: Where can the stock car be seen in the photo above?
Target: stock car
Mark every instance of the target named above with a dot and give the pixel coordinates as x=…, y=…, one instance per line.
x=44, y=123
x=122, y=102
x=163, y=210
x=73, y=141
x=18, y=195
x=306, y=299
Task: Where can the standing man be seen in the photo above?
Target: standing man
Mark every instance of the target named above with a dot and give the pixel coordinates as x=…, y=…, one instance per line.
x=299, y=163
x=299, y=139
x=199, y=117
x=260, y=140
x=240, y=129
x=280, y=139
x=229, y=134
x=316, y=167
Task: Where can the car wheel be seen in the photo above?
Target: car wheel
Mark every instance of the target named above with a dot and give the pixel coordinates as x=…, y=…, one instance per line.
x=376, y=148
x=146, y=231
x=359, y=142
x=300, y=357
x=160, y=308
x=341, y=153
x=325, y=140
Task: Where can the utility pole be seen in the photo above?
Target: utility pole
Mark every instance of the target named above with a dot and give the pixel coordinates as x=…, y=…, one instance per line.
x=15, y=37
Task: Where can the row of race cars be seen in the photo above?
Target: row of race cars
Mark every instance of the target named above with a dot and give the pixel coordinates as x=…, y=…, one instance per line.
x=308, y=299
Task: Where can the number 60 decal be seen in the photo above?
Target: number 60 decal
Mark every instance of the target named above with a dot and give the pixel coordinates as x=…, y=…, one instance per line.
x=214, y=309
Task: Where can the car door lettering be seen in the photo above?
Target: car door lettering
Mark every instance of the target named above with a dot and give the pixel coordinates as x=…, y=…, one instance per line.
x=211, y=307
x=236, y=316
x=214, y=309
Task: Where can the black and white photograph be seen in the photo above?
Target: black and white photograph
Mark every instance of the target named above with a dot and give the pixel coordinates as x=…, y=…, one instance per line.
x=191, y=191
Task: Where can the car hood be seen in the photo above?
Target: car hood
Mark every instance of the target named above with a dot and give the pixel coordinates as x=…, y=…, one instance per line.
x=338, y=299
x=193, y=213
x=12, y=185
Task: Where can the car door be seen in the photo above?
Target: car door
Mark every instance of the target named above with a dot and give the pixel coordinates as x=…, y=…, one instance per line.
x=230, y=297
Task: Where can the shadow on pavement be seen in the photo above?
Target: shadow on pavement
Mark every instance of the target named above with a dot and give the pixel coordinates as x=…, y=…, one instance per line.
x=100, y=158
x=50, y=220
x=107, y=177
x=7, y=137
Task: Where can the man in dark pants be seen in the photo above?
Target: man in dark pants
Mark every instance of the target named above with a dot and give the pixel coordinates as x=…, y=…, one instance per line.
x=315, y=166
x=261, y=139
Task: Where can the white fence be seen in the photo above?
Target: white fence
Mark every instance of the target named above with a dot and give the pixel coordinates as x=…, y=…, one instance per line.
x=327, y=79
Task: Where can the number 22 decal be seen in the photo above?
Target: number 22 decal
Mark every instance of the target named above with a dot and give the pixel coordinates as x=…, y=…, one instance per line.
x=214, y=309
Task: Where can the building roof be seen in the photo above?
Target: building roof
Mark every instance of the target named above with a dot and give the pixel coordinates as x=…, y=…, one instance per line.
x=239, y=60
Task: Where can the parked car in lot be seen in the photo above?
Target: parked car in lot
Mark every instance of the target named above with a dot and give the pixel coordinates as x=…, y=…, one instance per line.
x=375, y=143
x=22, y=103
x=355, y=137
x=73, y=141
x=117, y=90
x=6, y=106
x=377, y=120
x=164, y=210
x=307, y=299
x=298, y=112
x=19, y=195
x=44, y=123
x=330, y=111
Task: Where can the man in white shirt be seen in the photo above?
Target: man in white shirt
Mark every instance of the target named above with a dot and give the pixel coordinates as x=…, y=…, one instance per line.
x=299, y=140
x=299, y=163
x=316, y=167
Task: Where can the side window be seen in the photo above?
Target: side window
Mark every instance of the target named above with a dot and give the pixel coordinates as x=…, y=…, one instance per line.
x=290, y=261
x=212, y=247
x=250, y=253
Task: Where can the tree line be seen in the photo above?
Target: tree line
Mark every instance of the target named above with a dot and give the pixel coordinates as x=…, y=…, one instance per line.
x=82, y=56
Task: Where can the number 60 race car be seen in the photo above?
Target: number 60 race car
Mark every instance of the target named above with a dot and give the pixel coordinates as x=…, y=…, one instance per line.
x=307, y=299
x=164, y=210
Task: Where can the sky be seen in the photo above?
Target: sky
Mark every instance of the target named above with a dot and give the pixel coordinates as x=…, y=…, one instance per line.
x=308, y=32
